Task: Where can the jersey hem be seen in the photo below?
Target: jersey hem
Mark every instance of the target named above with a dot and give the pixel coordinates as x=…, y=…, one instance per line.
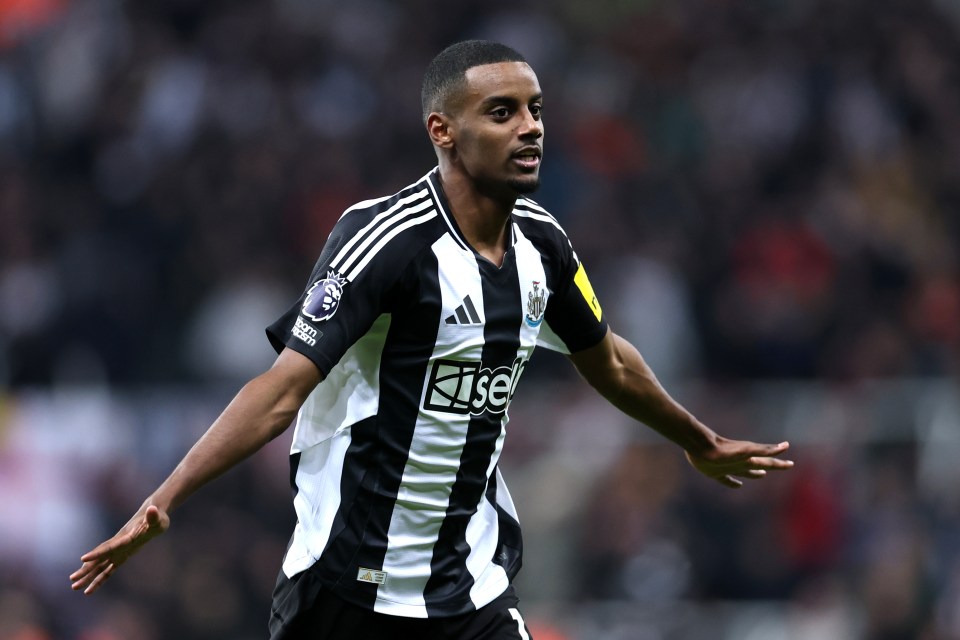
x=406, y=610
x=403, y=609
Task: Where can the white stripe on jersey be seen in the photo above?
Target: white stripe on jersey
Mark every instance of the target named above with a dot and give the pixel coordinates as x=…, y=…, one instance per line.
x=374, y=225
x=544, y=336
x=434, y=457
x=349, y=394
x=529, y=270
x=459, y=278
x=494, y=579
x=363, y=204
x=317, y=501
x=504, y=499
x=488, y=577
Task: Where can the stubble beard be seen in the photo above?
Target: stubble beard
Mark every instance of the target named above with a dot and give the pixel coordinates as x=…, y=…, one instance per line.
x=525, y=186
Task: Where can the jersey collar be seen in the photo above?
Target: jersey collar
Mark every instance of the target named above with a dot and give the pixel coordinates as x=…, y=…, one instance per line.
x=443, y=206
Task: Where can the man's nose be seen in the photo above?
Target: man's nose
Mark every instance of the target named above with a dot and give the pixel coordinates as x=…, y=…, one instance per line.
x=531, y=127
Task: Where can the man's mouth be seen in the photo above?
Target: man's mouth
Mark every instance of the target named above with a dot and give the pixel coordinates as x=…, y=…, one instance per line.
x=527, y=157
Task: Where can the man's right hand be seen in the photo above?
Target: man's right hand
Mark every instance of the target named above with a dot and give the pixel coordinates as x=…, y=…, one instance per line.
x=100, y=563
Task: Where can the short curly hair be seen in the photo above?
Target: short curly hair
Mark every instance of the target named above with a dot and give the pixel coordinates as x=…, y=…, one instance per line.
x=446, y=73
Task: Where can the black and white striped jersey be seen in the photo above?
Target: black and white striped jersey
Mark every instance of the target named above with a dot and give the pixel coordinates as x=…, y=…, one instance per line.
x=400, y=505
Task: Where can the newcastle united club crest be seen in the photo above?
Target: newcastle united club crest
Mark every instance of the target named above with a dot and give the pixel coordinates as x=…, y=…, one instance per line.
x=536, y=305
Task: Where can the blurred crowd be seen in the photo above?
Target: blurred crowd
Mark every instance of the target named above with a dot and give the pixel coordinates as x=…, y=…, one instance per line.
x=759, y=190
x=763, y=189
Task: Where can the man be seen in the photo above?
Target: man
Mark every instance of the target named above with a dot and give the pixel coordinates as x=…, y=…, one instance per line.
x=399, y=361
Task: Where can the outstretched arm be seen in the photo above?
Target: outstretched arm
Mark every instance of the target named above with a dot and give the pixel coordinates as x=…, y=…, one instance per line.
x=616, y=369
x=262, y=410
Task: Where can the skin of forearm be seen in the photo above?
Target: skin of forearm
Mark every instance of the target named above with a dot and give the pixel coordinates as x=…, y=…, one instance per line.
x=259, y=412
x=632, y=387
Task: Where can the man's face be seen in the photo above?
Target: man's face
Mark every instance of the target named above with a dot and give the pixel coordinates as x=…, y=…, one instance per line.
x=497, y=127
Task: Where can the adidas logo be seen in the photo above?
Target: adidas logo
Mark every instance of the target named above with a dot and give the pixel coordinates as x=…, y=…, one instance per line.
x=466, y=313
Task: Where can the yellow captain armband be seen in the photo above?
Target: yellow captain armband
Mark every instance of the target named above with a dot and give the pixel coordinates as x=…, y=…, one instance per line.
x=586, y=290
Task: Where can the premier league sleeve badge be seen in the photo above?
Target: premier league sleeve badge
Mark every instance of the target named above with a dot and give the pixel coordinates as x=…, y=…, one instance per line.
x=323, y=298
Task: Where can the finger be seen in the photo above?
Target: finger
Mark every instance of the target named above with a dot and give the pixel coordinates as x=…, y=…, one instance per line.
x=757, y=449
x=84, y=569
x=79, y=581
x=79, y=573
x=87, y=573
x=777, y=449
x=730, y=481
x=770, y=463
x=95, y=555
x=82, y=583
x=100, y=579
x=153, y=516
x=88, y=568
x=751, y=473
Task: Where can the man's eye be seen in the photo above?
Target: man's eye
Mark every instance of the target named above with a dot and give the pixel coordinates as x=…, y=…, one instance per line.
x=536, y=110
x=501, y=112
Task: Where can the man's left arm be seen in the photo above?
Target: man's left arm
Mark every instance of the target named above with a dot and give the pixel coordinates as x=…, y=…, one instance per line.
x=616, y=369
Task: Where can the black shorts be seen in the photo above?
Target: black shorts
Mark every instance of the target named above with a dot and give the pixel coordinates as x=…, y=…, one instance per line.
x=303, y=610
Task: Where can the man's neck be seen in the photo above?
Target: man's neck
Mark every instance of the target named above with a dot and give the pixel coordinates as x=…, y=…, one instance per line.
x=484, y=220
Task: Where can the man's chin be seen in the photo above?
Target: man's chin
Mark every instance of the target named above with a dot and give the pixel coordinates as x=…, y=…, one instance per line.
x=528, y=184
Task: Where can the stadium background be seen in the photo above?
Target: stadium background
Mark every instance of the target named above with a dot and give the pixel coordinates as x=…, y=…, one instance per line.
x=764, y=193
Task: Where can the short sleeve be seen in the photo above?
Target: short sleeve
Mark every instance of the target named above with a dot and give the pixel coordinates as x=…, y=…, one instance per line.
x=338, y=305
x=573, y=320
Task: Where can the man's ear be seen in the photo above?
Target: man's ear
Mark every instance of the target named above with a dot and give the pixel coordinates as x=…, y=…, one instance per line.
x=439, y=128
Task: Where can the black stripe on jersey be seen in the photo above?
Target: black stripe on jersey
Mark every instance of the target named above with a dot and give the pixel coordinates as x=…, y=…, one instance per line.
x=529, y=209
x=532, y=205
x=400, y=211
x=390, y=433
x=509, y=554
x=294, y=465
x=450, y=581
x=355, y=506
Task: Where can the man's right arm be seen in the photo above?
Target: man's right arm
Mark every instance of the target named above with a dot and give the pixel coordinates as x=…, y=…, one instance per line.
x=262, y=410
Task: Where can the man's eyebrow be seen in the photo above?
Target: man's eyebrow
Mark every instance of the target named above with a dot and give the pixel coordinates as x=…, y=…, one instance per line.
x=507, y=100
